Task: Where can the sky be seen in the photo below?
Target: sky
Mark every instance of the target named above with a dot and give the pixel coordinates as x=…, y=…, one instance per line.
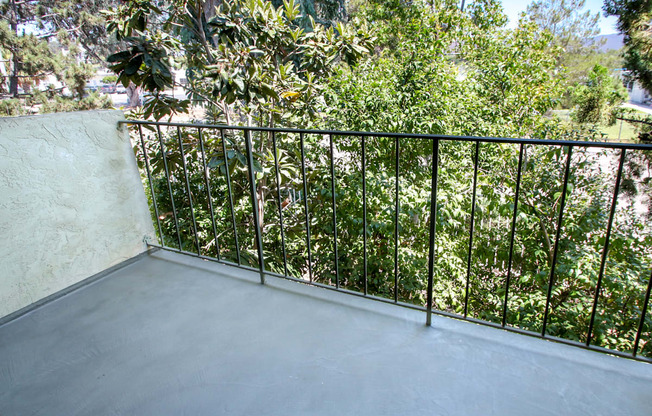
x=607, y=24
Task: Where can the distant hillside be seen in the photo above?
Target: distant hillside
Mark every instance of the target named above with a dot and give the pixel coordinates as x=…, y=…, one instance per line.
x=611, y=42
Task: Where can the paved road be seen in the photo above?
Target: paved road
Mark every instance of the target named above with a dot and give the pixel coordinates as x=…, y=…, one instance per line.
x=639, y=107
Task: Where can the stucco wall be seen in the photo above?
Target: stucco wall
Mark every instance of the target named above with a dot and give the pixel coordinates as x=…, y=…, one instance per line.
x=637, y=94
x=71, y=202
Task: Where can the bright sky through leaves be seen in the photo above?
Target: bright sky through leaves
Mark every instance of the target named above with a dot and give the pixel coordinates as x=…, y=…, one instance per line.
x=514, y=7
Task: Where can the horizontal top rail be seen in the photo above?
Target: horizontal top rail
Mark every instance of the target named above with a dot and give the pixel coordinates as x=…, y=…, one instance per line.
x=243, y=215
x=606, y=145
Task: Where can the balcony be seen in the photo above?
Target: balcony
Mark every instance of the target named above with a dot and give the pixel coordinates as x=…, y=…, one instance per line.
x=170, y=334
x=97, y=328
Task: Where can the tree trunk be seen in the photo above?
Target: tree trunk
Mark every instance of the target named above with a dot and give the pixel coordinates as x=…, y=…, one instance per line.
x=13, y=79
x=133, y=92
x=209, y=8
x=4, y=86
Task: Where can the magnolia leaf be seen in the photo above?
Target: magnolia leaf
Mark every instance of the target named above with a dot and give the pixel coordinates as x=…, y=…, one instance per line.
x=239, y=83
x=291, y=95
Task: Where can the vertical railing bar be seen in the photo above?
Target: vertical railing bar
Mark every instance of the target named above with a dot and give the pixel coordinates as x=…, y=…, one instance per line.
x=562, y=205
x=254, y=205
x=433, y=229
x=337, y=266
x=364, y=214
x=305, y=205
x=228, y=187
x=208, y=190
x=643, y=313
x=167, y=176
x=280, y=204
x=185, y=174
x=396, y=210
x=151, y=184
x=511, y=240
x=605, y=250
x=471, y=229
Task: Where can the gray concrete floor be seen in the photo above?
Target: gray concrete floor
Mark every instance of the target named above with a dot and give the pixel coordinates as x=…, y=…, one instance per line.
x=173, y=335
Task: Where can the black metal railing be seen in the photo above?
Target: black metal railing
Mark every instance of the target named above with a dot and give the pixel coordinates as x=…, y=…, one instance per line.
x=168, y=157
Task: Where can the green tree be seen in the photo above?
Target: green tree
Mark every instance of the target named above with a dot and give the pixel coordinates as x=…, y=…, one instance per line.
x=249, y=64
x=598, y=97
x=493, y=82
x=324, y=12
x=30, y=59
x=570, y=27
x=264, y=69
x=59, y=38
x=454, y=72
x=634, y=18
x=80, y=21
x=110, y=79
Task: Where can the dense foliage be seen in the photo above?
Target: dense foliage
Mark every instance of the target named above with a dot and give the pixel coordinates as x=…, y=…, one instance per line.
x=45, y=38
x=249, y=60
x=579, y=249
x=598, y=96
x=573, y=29
x=434, y=69
x=634, y=18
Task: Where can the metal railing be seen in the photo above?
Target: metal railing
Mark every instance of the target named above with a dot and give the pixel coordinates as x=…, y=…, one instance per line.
x=152, y=142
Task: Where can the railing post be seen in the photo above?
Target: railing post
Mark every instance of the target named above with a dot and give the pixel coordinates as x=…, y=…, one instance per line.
x=208, y=191
x=364, y=214
x=511, y=240
x=562, y=205
x=151, y=185
x=280, y=204
x=254, y=205
x=185, y=174
x=433, y=229
x=305, y=205
x=228, y=187
x=167, y=177
x=173, y=175
x=396, y=217
x=641, y=323
x=605, y=250
x=337, y=264
x=471, y=229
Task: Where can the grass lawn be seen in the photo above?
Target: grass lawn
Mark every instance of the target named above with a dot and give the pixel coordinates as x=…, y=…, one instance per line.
x=628, y=132
x=613, y=133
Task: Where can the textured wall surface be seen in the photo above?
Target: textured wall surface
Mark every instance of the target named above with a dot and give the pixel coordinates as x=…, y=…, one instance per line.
x=71, y=202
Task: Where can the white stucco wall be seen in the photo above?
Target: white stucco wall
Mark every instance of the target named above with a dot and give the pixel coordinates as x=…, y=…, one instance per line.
x=637, y=94
x=71, y=202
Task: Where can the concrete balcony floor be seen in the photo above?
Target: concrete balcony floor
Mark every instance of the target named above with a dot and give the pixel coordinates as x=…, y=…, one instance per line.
x=174, y=335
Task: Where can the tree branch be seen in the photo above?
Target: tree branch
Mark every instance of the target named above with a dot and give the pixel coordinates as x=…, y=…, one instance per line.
x=544, y=231
x=634, y=120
